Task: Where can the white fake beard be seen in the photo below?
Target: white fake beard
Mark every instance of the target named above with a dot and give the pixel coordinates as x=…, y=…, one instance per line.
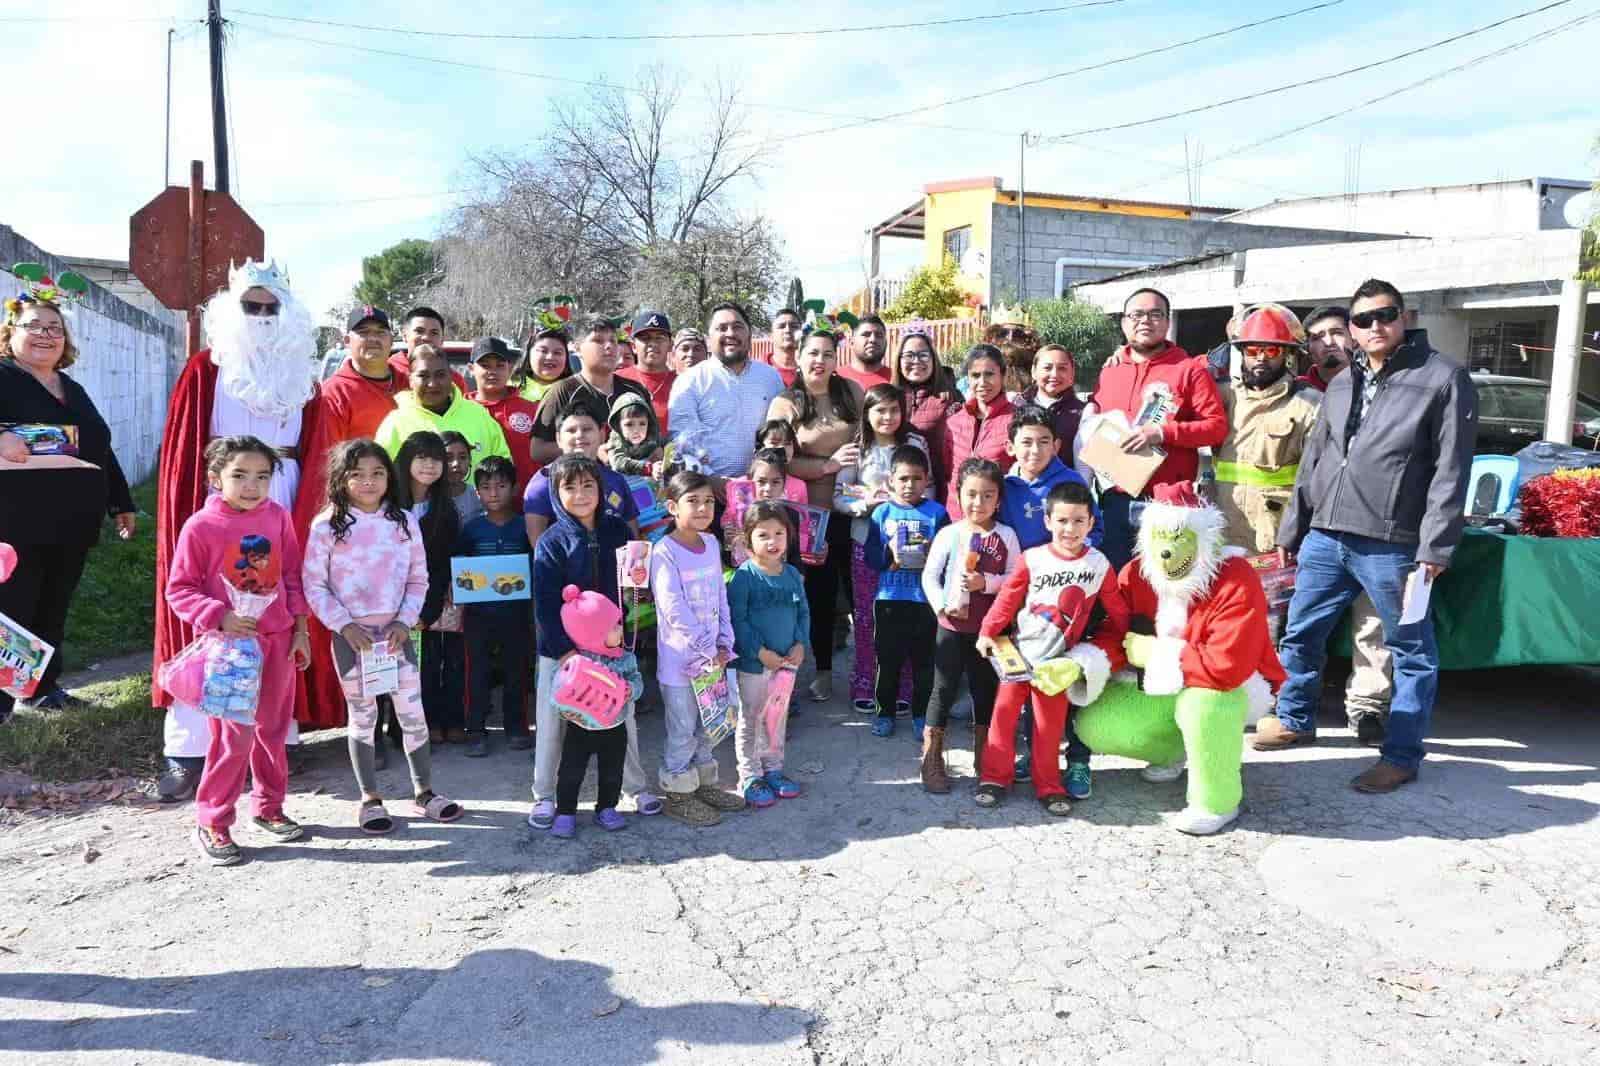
x=265, y=363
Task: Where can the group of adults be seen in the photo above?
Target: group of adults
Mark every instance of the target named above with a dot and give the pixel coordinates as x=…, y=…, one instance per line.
x=1357, y=466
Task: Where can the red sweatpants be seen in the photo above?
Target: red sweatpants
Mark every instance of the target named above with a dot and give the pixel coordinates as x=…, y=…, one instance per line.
x=259, y=748
x=1000, y=748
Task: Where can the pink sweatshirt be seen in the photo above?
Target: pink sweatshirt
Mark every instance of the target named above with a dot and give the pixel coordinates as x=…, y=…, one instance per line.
x=254, y=551
x=373, y=576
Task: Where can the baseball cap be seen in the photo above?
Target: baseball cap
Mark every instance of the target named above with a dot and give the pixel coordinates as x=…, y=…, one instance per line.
x=360, y=316
x=651, y=320
x=688, y=334
x=491, y=346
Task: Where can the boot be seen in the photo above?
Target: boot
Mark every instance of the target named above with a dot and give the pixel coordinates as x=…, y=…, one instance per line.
x=934, y=779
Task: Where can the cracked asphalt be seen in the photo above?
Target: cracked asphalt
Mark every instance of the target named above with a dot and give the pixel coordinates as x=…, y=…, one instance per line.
x=867, y=922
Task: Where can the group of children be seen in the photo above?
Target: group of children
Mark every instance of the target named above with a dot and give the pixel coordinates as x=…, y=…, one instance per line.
x=933, y=597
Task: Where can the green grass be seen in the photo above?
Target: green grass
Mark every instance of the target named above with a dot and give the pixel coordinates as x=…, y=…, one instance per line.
x=119, y=733
x=113, y=612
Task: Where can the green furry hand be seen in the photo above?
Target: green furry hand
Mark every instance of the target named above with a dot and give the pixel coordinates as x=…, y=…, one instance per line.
x=1056, y=676
x=1139, y=648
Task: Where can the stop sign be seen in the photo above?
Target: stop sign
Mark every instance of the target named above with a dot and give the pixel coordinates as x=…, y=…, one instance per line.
x=158, y=244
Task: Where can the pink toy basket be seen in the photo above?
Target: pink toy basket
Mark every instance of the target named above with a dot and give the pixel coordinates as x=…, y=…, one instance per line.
x=588, y=695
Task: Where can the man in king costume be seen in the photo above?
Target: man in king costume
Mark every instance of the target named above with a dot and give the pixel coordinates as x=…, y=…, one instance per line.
x=1209, y=663
x=258, y=377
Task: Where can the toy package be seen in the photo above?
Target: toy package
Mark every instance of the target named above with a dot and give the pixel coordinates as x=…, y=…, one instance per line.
x=741, y=494
x=1009, y=663
x=44, y=438
x=23, y=658
x=812, y=522
x=956, y=595
x=776, y=710
x=218, y=674
x=1278, y=583
x=715, y=696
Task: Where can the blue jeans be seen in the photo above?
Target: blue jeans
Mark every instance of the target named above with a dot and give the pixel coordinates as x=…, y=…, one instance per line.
x=1333, y=569
x=1121, y=514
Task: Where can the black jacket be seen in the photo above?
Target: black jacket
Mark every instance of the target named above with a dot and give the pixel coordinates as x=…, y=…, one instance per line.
x=1403, y=476
x=55, y=505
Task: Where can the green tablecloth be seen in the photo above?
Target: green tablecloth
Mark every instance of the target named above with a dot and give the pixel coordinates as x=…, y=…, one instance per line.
x=1515, y=601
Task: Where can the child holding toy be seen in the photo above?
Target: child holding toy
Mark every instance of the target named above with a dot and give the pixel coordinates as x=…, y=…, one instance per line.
x=504, y=627
x=771, y=629
x=967, y=565
x=694, y=635
x=1060, y=592
x=898, y=536
x=240, y=524
x=365, y=577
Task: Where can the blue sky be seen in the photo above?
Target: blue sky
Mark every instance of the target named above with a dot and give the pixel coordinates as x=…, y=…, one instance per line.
x=318, y=129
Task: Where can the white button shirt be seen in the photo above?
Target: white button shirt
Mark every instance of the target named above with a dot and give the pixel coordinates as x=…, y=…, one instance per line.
x=720, y=411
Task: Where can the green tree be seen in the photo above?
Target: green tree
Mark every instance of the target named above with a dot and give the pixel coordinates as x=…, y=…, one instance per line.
x=396, y=277
x=1081, y=328
x=930, y=292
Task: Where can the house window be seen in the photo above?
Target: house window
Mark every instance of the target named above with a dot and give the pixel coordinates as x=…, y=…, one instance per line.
x=1497, y=349
x=957, y=241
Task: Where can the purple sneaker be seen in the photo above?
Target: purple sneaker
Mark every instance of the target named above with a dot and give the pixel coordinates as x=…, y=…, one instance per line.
x=542, y=815
x=609, y=820
x=565, y=827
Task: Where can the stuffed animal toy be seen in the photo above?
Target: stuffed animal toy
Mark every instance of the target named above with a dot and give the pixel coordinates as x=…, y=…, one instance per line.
x=1209, y=664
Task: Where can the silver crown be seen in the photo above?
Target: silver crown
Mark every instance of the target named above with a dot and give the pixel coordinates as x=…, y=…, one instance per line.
x=252, y=274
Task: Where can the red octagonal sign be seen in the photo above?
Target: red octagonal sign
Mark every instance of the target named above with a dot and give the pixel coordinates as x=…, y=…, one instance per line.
x=158, y=245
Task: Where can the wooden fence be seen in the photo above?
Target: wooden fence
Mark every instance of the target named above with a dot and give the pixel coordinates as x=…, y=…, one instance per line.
x=951, y=338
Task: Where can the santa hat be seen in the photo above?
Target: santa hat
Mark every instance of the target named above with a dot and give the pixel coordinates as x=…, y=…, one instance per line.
x=588, y=618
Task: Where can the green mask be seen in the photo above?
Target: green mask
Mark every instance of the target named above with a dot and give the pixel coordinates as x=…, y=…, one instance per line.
x=1174, y=552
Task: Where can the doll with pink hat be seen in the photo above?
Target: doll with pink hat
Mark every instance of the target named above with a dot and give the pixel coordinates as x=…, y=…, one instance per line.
x=594, y=625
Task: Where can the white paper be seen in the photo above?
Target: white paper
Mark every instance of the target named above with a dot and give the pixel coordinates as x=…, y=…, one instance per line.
x=380, y=670
x=1419, y=589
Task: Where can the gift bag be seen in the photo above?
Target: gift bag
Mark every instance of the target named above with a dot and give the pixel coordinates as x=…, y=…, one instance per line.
x=776, y=710
x=715, y=698
x=219, y=674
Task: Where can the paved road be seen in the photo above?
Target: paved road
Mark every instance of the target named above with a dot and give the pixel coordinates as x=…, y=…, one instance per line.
x=1454, y=922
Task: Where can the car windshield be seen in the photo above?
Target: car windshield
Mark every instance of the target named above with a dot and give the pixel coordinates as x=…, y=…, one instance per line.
x=1526, y=403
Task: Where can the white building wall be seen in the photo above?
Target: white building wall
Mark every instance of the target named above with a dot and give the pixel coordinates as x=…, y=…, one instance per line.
x=1438, y=211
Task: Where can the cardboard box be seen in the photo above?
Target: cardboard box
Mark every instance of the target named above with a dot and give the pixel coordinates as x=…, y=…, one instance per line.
x=1128, y=471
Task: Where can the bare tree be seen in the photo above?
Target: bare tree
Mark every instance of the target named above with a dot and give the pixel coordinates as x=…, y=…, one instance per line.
x=730, y=258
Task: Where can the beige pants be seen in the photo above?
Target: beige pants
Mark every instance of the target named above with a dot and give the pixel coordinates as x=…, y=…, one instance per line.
x=1370, y=684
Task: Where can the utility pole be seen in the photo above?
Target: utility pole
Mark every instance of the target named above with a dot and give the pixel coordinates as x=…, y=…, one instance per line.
x=1022, y=218
x=166, y=153
x=219, y=112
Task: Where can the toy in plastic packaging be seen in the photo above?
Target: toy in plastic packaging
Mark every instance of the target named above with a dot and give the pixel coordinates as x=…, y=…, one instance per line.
x=633, y=565
x=956, y=595
x=812, y=523
x=23, y=658
x=910, y=546
x=741, y=494
x=588, y=695
x=714, y=695
x=1009, y=663
x=1277, y=581
x=775, y=712
x=219, y=674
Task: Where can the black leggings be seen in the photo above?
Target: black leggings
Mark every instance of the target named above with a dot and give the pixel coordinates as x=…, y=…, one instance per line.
x=822, y=590
x=903, y=631
x=609, y=747
x=444, y=674
x=38, y=595
x=956, y=654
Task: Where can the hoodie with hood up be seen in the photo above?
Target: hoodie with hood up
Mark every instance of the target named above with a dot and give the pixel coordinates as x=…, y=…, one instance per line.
x=569, y=553
x=627, y=458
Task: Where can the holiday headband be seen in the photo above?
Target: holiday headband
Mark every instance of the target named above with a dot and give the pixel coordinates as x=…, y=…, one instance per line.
x=553, y=312
x=917, y=327
x=39, y=287
x=818, y=321
x=1010, y=316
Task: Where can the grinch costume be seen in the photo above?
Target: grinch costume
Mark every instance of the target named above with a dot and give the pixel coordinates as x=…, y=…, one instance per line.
x=1209, y=666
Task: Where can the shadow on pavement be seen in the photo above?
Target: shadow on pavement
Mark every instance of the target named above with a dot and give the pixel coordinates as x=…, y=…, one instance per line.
x=542, y=1010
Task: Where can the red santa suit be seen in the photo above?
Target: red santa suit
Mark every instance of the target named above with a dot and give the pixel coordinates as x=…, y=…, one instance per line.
x=349, y=405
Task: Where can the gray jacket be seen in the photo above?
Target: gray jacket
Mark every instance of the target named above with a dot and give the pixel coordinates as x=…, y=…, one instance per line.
x=1402, y=477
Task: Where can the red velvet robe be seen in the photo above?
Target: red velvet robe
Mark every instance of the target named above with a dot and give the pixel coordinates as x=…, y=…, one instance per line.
x=183, y=488
x=1225, y=636
x=348, y=406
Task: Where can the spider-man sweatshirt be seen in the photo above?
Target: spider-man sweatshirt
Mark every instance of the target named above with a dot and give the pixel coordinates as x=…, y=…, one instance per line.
x=1055, y=601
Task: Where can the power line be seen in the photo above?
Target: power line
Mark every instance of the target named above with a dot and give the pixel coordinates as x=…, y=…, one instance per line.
x=1526, y=42
x=1103, y=64
x=829, y=31
x=363, y=200
x=1346, y=72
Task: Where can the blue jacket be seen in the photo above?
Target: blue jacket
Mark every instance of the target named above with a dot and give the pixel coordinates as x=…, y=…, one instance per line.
x=890, y=521
x=768, y=612
x=570, y=554
x=1022, y=504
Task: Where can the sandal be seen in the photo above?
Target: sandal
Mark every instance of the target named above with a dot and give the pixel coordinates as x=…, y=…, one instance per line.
x=1057, y=806
x=436, y=808
x=373, y=819
x=988, y=795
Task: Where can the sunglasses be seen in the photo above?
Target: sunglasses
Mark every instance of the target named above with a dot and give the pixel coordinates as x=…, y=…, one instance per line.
x=1012, y=333
x=1386, y=315
x=260, y=308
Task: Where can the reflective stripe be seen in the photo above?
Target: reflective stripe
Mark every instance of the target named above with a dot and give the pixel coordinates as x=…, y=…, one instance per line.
x=1242, y=474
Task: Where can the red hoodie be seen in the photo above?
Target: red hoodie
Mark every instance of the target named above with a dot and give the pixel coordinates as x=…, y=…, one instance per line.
x=1180, y=395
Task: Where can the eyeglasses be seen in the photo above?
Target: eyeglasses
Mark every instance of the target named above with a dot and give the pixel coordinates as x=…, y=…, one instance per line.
x=259, y=308
x=1386, y=315
x=1155, y=315
x=39, y=329
x=916, y=357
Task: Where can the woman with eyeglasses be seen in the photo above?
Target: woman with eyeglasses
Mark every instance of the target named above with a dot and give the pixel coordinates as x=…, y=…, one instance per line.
x=930, y=392
x=51, y=508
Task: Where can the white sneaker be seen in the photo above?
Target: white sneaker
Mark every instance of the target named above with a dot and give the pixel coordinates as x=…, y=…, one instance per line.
x=822, y=688
x=1198, y=823
x=1160, y=775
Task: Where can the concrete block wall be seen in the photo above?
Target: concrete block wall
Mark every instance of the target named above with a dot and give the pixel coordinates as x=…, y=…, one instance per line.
x=1054, y=234
x=128, y=359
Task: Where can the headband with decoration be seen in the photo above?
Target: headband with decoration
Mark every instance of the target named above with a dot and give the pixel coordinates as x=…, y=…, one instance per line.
x=253, y=275
x=553, y=312
x=817, y=320
x=917, y=327
x=1010, y=316
x=39, y=287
